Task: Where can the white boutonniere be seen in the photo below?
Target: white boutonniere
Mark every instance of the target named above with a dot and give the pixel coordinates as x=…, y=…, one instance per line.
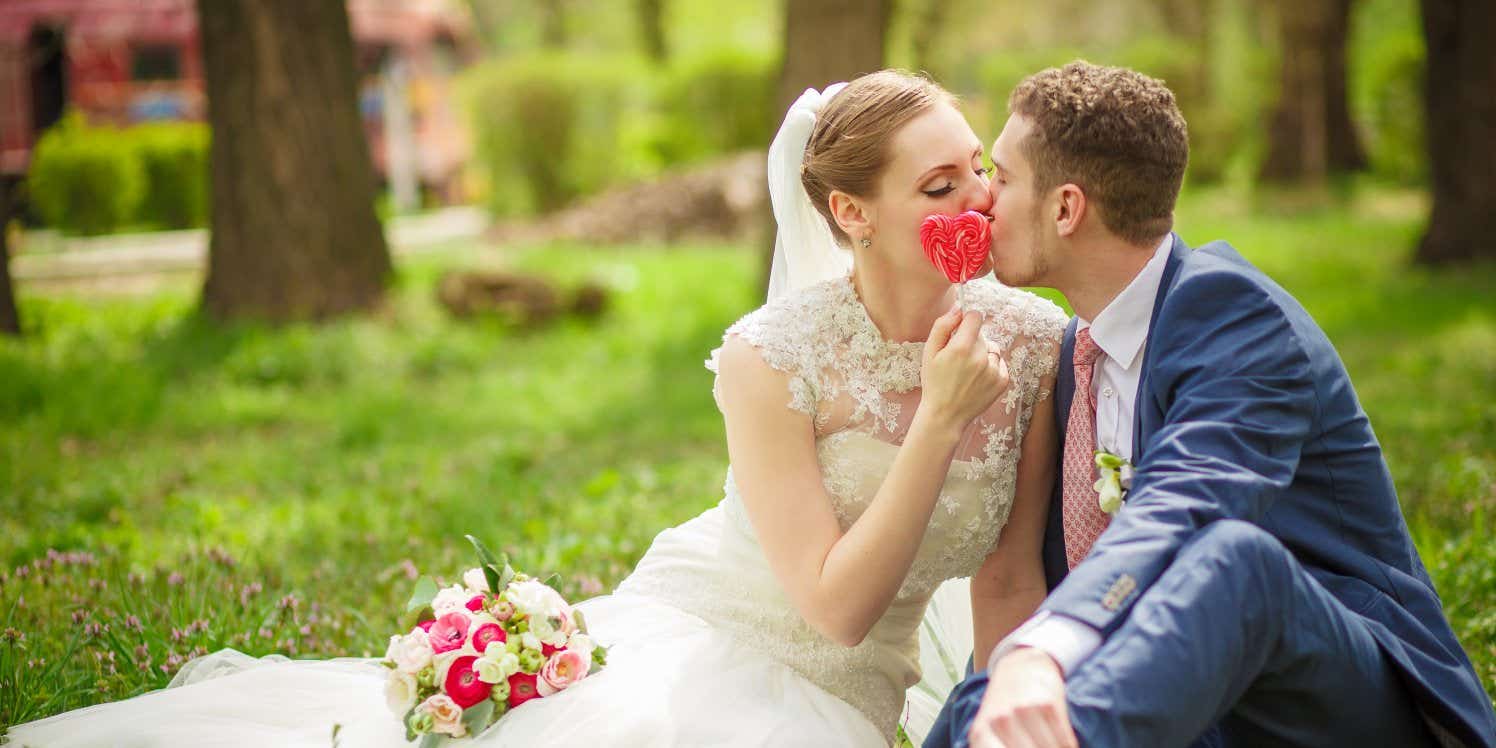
x=1115, y=480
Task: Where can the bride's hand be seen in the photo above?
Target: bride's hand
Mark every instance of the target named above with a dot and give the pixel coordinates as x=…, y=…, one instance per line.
x=961, y=374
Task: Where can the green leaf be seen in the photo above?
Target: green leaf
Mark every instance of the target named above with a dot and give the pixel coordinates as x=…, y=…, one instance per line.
x=505, y=578
x=490, y=565
x=477, y=717
x=423, y=594
x=413, y=617
x=552, y=580
x=432, y=740
x=581, y=621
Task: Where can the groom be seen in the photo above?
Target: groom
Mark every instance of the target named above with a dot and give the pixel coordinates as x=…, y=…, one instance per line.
x=1258, y=586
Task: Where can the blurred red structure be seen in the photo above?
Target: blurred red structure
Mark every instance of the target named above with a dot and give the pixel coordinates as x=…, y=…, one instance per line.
x=121, y=62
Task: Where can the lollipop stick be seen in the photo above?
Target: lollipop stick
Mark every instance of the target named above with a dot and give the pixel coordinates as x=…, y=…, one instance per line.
x=961, y=296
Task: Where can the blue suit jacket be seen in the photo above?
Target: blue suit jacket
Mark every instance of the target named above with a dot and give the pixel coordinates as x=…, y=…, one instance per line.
x=1245, y=411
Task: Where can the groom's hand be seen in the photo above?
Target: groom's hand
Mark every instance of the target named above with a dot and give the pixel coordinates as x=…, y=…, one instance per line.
x=1024, y=706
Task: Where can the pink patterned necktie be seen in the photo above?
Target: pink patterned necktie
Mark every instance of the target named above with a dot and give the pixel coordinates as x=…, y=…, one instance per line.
x=1081, y=512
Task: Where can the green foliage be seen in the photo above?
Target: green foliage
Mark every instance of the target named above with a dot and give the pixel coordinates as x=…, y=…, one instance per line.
x=716, y=104
x=552, y=129
x=175, y=158
x=98, y=180
x=1386, y=82
x=549, y=129
x=85, y=179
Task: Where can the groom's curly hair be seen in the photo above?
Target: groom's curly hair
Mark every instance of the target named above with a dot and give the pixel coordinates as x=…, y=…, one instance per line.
x=1115, y=133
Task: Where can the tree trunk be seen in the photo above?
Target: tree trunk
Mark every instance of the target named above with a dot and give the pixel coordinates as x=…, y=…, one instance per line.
x=553, y=24
x=651, y=18
x=10, y=318
x=1311, y=134
x=826, y=41
x=294, y=233
x=1461, y=125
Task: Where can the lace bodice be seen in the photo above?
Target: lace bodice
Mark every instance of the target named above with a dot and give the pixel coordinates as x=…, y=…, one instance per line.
x=861, y=392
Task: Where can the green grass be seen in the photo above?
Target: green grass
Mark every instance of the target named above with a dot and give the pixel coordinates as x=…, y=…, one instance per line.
x=276, y=489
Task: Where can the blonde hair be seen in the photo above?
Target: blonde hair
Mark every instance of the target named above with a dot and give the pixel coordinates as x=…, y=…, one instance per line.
x=848, y=149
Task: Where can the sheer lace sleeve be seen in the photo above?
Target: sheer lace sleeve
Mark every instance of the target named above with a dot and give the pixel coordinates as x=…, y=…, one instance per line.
x=784, y=334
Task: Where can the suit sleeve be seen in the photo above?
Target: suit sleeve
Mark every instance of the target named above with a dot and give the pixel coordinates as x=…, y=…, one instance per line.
x=1238, y=396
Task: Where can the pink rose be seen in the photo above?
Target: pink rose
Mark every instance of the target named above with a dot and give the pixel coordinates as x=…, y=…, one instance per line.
x=522, y=688
x=562, y=671
x=446, y=715
x=488, y=633
x=463, y=685
x=426, y=625
x=449, y=632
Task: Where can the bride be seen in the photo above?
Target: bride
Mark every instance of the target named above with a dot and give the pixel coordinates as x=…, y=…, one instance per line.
x=881, y=442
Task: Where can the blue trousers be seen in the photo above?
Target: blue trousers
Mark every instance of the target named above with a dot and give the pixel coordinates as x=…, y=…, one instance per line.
x=1236, y=645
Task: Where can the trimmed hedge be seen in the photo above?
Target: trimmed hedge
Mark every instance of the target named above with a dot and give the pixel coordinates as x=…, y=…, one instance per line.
x=98, y=180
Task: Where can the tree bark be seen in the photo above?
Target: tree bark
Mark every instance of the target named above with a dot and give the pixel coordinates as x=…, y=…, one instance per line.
x=1461, y=125
x=826, y=41
x=830, y=40
x=553, y=33
x=651, y=18
x=294, y=234
x=10, y=318
x=1311, y=134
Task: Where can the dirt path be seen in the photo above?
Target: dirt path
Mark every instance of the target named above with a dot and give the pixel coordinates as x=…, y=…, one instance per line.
x=137, y=263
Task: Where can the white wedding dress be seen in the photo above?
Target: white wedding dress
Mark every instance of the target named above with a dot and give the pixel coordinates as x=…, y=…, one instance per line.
x=706, y=650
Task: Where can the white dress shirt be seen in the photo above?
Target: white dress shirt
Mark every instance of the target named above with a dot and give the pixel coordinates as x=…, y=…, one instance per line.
x=1121, y=332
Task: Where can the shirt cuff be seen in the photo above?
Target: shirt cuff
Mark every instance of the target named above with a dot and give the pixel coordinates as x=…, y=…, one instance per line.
x=1066, y=640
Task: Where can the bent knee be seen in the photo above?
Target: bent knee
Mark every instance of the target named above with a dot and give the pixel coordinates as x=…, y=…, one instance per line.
x=1239, y=540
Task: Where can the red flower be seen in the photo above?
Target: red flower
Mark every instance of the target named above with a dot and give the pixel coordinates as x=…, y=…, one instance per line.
x=463, y=684
x=522, y=688
x=426, y=625
x=547, y=650
x=475, y=603
x=487, y=634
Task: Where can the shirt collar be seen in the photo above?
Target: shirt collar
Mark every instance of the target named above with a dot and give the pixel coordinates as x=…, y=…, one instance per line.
x=1120, y=329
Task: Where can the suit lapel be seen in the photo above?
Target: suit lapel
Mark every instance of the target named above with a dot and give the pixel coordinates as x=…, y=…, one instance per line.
x=1171, y=268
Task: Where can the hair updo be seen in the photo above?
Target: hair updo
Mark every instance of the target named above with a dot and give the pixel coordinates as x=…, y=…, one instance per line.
x=848, y=149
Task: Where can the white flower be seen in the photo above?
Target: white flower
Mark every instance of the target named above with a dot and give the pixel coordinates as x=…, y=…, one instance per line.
x=582, y=643
x=1110, y=489
x=475, y=580
x=411, y=652
x=488, y=670
x=400, y=692
x=545, y=630
x=535, y=599
x=446, y=715
x=497, y=668
x=1114, y=481
x=451, y=599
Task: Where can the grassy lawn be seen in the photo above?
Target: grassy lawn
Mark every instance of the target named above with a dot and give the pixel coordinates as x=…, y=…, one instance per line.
x=275, y=490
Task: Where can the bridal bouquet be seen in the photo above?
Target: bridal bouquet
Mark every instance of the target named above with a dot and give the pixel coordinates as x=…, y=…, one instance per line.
x=475, y=650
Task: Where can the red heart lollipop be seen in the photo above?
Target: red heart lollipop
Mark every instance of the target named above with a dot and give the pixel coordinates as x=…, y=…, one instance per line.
x=957, y=245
